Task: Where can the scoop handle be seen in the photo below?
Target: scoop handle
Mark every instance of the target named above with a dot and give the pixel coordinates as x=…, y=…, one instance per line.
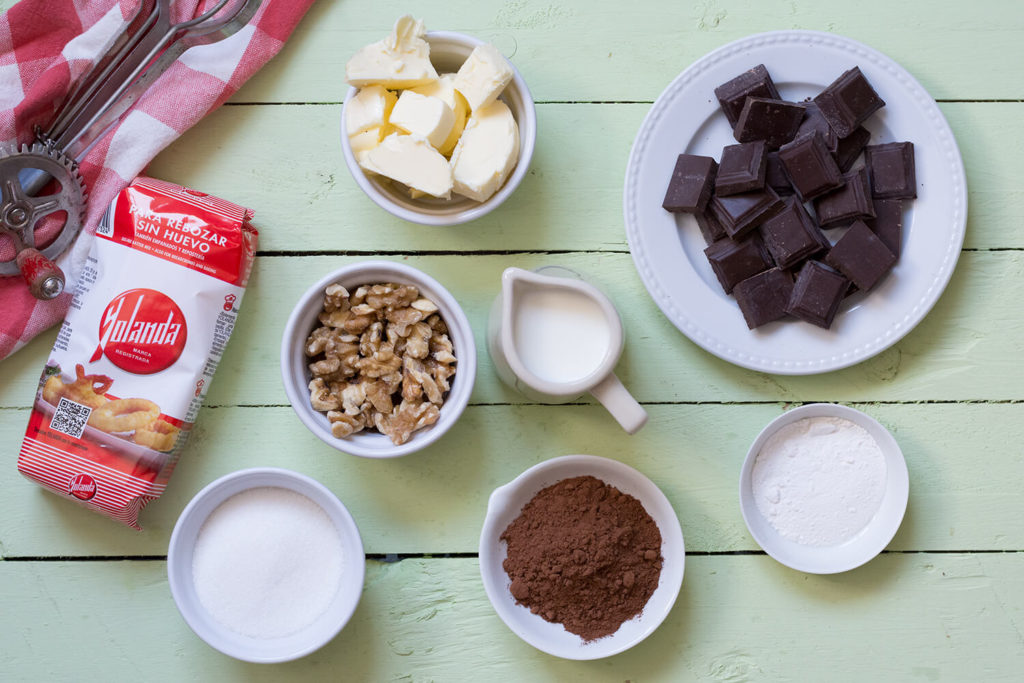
x=620, y=403
x=44, y=278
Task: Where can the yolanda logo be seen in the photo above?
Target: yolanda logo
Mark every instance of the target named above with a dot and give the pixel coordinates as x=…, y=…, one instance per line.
x=142, y=331
x=83, y=487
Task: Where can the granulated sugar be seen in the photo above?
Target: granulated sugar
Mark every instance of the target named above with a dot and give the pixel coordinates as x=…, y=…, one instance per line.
x=819, y=481
x=267, y=562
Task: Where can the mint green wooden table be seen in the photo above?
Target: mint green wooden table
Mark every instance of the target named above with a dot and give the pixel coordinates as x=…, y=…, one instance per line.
x=82, y=598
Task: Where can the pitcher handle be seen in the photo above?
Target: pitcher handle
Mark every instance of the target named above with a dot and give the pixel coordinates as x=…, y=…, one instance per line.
x=623, y=407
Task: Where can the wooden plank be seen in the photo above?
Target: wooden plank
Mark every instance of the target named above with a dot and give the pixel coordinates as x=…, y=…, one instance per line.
x=901, y=617
x=961, y=351
x=964, y=479
x=586, y=50
x=571, y=200
x=581, y=50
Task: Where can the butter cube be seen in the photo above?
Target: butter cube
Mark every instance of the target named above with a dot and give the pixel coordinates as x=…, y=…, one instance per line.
x=402, y=60
x=412, y=160
x=363, y=141
x=428, y=117
x=487, y=152
x=370, y=108
x=483, y=76
x=444, y=88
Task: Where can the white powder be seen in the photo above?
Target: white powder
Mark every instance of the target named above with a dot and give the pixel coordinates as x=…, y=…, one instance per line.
x=267, y=562
x=819, y=481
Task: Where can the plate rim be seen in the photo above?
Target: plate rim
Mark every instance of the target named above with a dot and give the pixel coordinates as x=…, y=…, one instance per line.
x=843, y=357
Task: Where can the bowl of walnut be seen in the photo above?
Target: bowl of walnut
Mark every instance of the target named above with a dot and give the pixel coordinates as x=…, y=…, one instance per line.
x=378, y=359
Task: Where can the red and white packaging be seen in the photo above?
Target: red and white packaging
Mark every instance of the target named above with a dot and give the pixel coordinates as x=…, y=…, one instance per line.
x=151, y=315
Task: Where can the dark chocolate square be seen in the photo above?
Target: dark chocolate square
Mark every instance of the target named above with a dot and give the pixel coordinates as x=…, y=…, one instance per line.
x=774, y=121
x=861, y=256
x=849, y=202
x=754, y=83
x=888, y=223
x=792, y=235
x=763, y=297
x=891, y=170
x=735, y=261
x=817, y=293
x=741, y=213
x=690, y=186
x=814, y=120
x=710, y=227
x=742, y=168
x=775, y=175
x=810, y=166
x=848, y=102
x=850, y=147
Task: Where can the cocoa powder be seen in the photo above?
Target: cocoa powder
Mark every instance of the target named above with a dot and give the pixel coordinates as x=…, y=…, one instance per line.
x=585, y=555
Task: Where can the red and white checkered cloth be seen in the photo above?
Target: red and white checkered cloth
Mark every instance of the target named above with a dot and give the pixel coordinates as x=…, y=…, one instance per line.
x=45, y=44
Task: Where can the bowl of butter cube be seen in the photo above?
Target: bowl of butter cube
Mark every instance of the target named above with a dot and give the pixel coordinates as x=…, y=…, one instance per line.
x=437, y=128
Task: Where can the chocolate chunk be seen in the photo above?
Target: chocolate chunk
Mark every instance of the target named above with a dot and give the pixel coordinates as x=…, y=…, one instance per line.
x=849, y=202
x=861, y=256
x=850, y=147
x=754, y=83
x=891, y=170
x=772, y=120
x=888, y=223
x=810, y=166
x=775, y=175
x=709, y=226
x=791, y=235
x=691, y=184
x=848, y=102
x=741, y=213
x=764, y=297
x=742, y=168
x=814, y=120
x=817, y=293
x=734, y=261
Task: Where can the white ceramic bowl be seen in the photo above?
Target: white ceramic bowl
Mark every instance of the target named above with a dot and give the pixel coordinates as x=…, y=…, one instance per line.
x=448, y=50
x=505, y=505
x=295, y=371
x=866, y=544
x=179, y=568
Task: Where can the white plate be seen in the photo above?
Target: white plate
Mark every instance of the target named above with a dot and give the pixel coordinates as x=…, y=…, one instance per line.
x=505, y=505
x=871, y=540
x=668, y=248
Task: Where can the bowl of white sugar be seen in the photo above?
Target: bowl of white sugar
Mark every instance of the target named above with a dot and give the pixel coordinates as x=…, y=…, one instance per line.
x=266, y=565
x=824, y=488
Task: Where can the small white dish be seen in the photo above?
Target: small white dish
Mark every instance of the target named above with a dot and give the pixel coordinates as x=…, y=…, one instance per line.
x=668, y=249
x=506, y=504
x=864, y=546
x=295, y=370
x=448, y=50
x=220, y=637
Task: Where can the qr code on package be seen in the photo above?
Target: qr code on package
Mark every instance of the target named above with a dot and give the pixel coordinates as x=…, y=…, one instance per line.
x=70, y=418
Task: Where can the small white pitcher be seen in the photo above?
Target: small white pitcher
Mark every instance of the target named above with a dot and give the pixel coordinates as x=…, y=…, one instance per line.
x=515, y=355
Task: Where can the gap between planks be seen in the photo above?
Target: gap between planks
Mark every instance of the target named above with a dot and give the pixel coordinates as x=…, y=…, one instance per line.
x=391, y=558
x=500, y=252
x=542, y=102
x=934, y=401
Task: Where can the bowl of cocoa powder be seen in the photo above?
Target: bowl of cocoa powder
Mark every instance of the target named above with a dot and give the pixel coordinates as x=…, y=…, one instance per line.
x=581, y=556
